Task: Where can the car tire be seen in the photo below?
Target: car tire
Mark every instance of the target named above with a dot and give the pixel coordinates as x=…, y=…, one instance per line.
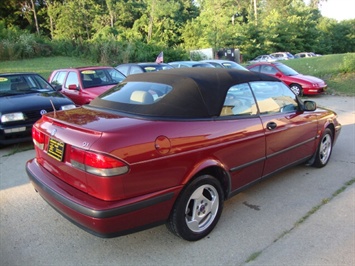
x=297, y=89
x=197, y=209
x=324, y=150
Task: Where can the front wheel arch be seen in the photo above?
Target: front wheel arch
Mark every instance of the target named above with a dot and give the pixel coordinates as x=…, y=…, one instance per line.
x=324, y=149
x=296, y=88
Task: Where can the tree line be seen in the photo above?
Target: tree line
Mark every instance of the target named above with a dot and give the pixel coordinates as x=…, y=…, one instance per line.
x=115, y=31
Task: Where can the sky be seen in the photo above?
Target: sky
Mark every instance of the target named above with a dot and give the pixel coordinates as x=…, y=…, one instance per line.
x=338, y=9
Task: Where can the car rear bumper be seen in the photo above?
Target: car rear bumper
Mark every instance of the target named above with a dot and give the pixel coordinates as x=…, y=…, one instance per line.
x=101, y=218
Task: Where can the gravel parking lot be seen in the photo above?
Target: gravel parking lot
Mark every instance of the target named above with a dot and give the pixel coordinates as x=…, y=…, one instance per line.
x=302, y=216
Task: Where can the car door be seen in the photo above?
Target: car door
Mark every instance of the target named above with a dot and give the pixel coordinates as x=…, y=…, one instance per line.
x=74, y=94
x=245, y=155
x=289, y=132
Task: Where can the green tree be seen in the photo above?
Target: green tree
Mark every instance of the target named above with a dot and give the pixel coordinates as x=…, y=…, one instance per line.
x=75, y=19
x=161, y=22
x=214, y=27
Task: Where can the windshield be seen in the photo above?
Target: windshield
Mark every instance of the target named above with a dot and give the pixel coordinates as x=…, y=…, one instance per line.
x=287, y=70
x=22, y=84
x=233, y=65
x=154, y=68
x=101, y=77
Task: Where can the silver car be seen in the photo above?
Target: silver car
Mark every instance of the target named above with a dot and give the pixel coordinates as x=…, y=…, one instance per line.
x=219, y=63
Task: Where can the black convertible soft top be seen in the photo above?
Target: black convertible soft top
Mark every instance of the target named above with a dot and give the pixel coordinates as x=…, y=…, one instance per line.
x=197, y=92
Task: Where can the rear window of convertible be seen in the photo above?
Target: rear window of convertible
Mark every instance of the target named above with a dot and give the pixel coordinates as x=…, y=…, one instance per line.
x=139, y=93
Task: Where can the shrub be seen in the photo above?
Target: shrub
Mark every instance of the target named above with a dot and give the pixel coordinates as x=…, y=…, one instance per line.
x=348, y=63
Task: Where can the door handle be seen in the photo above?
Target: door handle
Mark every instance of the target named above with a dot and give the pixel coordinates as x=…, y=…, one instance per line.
x=271, y=125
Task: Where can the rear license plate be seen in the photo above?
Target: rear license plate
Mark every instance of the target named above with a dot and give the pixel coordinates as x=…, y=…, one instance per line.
x=56, y=149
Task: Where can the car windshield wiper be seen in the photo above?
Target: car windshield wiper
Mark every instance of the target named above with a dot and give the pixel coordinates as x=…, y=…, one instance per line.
x=8, y=93
x=35, y=89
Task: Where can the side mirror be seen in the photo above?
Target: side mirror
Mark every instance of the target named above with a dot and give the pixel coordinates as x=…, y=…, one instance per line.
x=309, y=106
x=278, y=75
x=73, y=87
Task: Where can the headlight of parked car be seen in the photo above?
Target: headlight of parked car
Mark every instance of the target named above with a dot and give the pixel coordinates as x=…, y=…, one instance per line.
x=12, y=117
x=67, y=107
x=315, y=85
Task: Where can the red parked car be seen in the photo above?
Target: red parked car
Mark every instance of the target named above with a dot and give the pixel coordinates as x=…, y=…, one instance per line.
x=83, y=84
x=300, y=84
x=171, y=146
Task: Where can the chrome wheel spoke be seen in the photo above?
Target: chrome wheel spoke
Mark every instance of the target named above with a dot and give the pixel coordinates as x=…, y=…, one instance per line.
x=202, y=208
x=325, y=148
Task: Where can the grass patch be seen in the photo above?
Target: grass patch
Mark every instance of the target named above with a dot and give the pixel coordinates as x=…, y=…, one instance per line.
x=320, y=66
x=342, y=84
x=253, y=256
x=43, y=65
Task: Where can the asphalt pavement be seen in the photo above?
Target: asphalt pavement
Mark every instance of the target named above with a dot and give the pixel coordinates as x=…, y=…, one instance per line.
x=302, y=216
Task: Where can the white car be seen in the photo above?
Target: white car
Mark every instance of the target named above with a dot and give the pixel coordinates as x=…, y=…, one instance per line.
x=283, y=55
x=306, y=54
x=263, y=58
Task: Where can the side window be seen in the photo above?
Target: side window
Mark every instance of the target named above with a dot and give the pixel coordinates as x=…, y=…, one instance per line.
x=255, y=69
x=58, y=78
x=217, y=65
x=115, y=75
x=274, y=97
x=135, y=70
x=268, y=70
x=123, y=69
x=239, y=102
x=72, y=80
x=38, y=83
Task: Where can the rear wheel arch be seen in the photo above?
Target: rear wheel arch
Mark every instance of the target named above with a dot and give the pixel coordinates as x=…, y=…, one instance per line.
x=220, y=174
x=214, y=168
x=198, y=207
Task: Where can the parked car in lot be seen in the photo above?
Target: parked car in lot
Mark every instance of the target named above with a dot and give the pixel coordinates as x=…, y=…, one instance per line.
x=263, y=58
x=299, y=84
x=135, y=68
x=283, y=55
x=208, y=133
x=83, y=84
x=184, y=64
x=219, y=63
x=24, y=98
x=306, y=54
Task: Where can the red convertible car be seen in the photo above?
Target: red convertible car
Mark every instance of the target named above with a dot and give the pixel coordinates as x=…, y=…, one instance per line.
x=300, y=84
x=171, y=146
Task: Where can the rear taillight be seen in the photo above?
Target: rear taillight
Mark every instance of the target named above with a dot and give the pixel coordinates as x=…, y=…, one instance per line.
x=38, y=138
x=96, y=163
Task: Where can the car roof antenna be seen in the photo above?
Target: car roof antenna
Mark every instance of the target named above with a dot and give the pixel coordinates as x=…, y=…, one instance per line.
x=55, y=111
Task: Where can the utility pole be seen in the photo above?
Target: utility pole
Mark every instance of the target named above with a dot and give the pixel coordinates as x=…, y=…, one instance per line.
x=255, y=13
